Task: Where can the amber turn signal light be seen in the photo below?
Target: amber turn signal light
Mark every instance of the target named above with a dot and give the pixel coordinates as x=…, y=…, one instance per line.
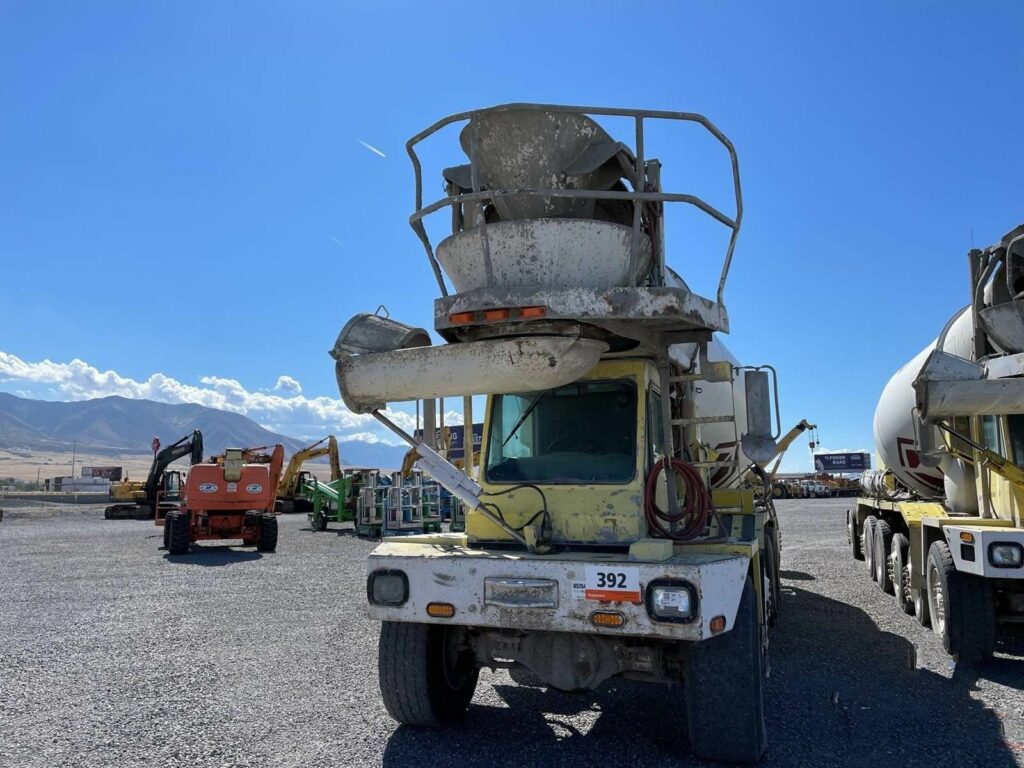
x=717, y=624
x=440, y=610
x=495, y=314
x=607, y=619
x=533, y=312
x=460, y=318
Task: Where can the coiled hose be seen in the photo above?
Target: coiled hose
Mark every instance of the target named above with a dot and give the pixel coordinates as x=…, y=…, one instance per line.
x=693, y=515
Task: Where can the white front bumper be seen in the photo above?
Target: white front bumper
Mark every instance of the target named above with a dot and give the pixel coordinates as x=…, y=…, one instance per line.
x=456, y=575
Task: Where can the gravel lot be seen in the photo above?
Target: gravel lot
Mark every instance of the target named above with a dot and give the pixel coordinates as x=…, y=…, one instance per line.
x=111, y=654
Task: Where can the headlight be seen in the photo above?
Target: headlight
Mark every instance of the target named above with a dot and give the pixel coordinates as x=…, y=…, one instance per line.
x=1006, y=555
x=670, y=600
x=387, y=587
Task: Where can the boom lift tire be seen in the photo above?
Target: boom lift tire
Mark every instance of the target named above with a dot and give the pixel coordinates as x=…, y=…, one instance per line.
x=725, y=690
x=868, y=542
x=961, y=606
x=167, y=532
x=179, y=535
x=319, y=522
x=899, y=573
x=425, y=678
x=853, y=536
x=883, y=544
x=268, y=534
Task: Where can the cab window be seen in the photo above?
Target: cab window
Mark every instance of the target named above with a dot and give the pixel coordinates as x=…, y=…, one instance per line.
x=990, y=436
x=580, y=433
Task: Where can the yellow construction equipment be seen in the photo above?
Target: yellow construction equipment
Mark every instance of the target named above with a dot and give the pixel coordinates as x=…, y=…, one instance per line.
x=289, y=493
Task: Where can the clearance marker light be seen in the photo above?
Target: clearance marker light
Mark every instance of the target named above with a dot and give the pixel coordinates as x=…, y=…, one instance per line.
x=607, y=619
x=440, y=610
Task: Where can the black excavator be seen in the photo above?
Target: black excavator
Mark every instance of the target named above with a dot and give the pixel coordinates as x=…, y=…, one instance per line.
x=162, y=489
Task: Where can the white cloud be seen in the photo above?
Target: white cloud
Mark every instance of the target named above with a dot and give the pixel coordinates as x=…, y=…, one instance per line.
x=288, y=385
x=368, y=437
x=78, y=380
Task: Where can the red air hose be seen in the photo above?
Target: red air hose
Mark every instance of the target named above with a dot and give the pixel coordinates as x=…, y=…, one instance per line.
x=693, y=514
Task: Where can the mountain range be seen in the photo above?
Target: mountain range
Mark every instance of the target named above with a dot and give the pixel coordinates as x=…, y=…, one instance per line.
x=118, y=425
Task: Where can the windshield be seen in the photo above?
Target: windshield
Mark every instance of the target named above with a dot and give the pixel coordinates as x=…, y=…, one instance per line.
x=580, y=433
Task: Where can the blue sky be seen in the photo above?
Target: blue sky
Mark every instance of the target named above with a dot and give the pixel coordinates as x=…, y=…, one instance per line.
x=183, y=190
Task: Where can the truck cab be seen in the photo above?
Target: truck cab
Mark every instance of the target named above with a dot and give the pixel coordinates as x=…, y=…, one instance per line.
x=587, y=445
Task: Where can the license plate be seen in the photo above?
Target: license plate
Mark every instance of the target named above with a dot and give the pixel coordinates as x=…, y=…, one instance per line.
x=609, y=583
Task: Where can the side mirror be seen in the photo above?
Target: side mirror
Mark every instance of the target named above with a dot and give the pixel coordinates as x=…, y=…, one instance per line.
x=759, y=439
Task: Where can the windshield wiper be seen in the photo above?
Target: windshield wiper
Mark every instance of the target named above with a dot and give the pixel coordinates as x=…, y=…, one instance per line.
x=529, y=409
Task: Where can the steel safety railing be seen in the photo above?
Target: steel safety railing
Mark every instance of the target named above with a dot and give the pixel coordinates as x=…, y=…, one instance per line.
x=638, y=197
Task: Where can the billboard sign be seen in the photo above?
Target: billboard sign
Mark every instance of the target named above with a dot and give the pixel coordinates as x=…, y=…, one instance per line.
x=457, y=432
x=108, y=473
x=842, y=462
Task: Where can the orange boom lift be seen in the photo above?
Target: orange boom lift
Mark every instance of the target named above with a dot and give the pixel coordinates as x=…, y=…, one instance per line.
x=230, y=497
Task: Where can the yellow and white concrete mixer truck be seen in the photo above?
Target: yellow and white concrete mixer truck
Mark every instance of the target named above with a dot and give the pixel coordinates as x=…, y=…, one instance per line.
x=607, y=531
x=941, y=526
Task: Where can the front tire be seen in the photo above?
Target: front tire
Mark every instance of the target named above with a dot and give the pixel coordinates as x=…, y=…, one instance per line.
x=426, y=677
x=774, y=581
x=961, y=606
x=268, y=534
x=725, y=690
x=179, y=535
x=318, y=521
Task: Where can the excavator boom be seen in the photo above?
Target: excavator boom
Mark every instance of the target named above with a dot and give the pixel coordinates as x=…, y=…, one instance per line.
x=291, y=480
x=147, y=506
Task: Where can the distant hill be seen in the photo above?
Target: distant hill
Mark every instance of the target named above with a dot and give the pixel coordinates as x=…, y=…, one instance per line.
x=118, y=425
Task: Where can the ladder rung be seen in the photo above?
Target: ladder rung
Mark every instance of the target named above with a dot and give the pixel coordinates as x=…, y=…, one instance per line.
x=712, y=464
x=703, y=420
x=687, y=377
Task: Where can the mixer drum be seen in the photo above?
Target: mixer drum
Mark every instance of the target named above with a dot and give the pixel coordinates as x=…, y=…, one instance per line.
x=898, y=428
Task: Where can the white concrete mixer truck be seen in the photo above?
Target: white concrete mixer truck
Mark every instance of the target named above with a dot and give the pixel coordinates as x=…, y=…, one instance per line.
x=940, y=527
x=607, y=531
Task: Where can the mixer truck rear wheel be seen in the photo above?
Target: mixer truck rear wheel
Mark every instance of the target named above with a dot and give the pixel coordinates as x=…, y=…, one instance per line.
x=853, y=535
x=961, y=607
x=899, y=572
x=868, y=542
x=725, y=690
x=427, y=677
x=883, y=544
x=920, y=598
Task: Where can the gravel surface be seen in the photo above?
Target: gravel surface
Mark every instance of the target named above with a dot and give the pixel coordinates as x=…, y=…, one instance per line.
x=111, y=654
